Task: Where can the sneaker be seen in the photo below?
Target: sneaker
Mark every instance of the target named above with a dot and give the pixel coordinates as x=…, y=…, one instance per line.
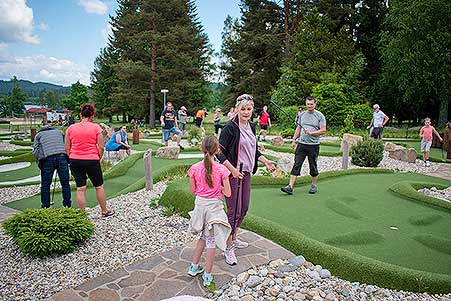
x=312, y=190
x=181, y=147
x=107, y=213
x=194, y=271
x=230, y=257
x=239, y=244
x=287, y=189
x=208, y=279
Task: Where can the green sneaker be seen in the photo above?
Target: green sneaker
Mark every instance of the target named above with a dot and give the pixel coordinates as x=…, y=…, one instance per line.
x=194, y=271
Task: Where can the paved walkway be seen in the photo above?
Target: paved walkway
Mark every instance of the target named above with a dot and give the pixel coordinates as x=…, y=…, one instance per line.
x=6, y=212
x=443, y=171
x=164, y=276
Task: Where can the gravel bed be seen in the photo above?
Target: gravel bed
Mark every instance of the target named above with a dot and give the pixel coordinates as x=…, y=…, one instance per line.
x=444, y=194
x=6, y=146
x=135, y=232
x=334, y=163
x=298, y=279
x=9, y=194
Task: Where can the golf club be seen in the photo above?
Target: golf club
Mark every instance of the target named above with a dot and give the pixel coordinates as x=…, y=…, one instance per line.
x=236, y=200
x=54, y=186
x=284, y=112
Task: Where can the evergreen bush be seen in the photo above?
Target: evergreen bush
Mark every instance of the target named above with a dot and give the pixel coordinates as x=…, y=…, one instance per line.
x=43, y=232
x=367, y=153
x=287, y=133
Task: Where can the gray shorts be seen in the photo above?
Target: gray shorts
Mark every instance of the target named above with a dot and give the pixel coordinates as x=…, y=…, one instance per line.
x=425, y=146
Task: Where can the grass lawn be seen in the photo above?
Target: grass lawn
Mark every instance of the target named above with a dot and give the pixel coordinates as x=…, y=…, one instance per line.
x=20, y=174
x=355, y=213
x=112, y=186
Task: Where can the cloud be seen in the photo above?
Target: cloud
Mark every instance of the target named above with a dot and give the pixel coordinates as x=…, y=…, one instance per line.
x=43, y=26
x=107, y=31
x=94, y=6
x=42, y=68
x=16, y=22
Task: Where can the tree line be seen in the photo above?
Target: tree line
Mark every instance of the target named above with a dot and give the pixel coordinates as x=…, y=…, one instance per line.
x=347, y=53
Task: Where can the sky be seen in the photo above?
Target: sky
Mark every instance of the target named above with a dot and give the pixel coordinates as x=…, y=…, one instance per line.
x=57, y=41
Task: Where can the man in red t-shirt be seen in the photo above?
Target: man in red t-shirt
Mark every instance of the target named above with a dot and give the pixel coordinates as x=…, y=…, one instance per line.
x=265, y=122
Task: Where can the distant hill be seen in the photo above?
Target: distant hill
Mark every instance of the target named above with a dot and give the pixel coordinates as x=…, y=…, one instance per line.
x=32, y=89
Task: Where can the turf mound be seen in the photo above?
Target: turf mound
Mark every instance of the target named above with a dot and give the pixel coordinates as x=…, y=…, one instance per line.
x=438, y=244
x=355, y=238
x=338, y=206
x=424, y=219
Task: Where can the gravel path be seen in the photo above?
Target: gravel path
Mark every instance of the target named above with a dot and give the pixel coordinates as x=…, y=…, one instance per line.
x=135, y=232
x=298, y=279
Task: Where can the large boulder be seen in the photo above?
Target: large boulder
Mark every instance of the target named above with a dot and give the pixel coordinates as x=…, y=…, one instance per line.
x=403, y=154
x=107, y=132
x=277, y=141
x=389, y=147
x=351, y=139
x=168, y=152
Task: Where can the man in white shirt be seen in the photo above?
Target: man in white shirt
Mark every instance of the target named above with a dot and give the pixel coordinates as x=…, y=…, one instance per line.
x=378, y=122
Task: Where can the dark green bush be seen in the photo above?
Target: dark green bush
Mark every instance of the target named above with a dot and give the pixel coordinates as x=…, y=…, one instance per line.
x=43, y=232
x=21, y=142
x=368, y=153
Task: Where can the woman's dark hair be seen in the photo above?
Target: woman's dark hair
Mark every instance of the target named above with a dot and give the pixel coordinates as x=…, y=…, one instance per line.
x=87, y=110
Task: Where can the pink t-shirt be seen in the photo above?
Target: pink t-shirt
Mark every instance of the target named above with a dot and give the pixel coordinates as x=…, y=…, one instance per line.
x=83, y=138
x=219, y=174
x=426, y=131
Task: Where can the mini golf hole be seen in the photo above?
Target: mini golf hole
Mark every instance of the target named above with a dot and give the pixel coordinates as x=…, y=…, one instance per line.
x=394, y=228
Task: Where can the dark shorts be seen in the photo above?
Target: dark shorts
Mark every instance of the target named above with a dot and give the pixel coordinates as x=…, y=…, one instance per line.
x=263, y=127
x=120, y=147
x=303, y=151
x=91, y=168
x=198, y=122
x=376, y=133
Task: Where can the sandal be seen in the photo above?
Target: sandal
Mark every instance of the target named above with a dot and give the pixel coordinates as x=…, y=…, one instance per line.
x=107, y=213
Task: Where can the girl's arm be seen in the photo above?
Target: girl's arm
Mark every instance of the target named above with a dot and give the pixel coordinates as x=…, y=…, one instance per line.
x=226, y=190
x=192, y=185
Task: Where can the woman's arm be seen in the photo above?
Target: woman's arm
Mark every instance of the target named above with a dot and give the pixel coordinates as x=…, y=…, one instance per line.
x=100, y=145
x=67, y=144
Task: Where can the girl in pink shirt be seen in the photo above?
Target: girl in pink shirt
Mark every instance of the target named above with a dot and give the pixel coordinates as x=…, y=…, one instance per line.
x=426, y=133
x=209, y=180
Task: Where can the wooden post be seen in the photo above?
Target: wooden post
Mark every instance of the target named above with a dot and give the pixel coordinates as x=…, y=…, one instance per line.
x=33, y=134
x=135, y=136
x=448, y=154
x=148, y=169
x=345, y=160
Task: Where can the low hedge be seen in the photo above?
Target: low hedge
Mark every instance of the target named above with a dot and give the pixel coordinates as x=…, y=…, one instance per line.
x=21, y=142
x=122, y=167
x=409, y=190
x=14, y=153
x=43, y=232
x=25, y=157
x=342, y=263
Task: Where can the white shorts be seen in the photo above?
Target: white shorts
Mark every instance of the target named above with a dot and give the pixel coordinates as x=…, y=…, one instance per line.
x=425, y=146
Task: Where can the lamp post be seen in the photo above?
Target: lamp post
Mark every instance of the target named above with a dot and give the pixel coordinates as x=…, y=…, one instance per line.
x=164, y=91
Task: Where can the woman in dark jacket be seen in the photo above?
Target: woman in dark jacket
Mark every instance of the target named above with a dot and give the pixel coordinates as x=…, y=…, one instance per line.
x=238, y=145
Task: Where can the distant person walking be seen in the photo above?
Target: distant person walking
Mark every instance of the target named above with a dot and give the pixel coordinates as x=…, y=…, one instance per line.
x=168, y=121
x=84, y=144
x=209, y=180
x=311, y=125
x=217, y=120
x=377, y=122
x=119, y=141
x=264, y=122
x=182, y=117
x=426, y=133
x=49, y=151
x=71, y=119
x=239, y=148
x=200, y=115
x=231, y=113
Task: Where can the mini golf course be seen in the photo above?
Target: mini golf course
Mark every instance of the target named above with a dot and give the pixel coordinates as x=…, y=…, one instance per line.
x=436, y=154
x=360, y=225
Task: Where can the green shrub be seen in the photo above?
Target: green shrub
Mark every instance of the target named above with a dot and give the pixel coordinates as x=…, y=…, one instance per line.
x=287, y=133
x=286, y=118
x=43, y=232
x=21, y=142
x=194, y=135
x=368, y=153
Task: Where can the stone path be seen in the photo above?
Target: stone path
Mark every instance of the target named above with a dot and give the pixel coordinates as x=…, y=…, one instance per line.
x=6, y=213
x=164, y=276
x=443, y=171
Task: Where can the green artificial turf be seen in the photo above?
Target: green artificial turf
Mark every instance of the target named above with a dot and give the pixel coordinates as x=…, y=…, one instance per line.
x=355, y=213
x=20, y=174
x=113, y=184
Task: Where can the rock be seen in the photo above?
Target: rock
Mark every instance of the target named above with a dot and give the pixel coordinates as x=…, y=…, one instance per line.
x=247, y=298
x=351, y=139
x=345, y=292
x=297, y=261
x=273, y=292
x=411, y=155
x=317, y=298
x=241, y=278
x=168, y=152
x=317, y=268
x=276, y=263
x=253, y=281
x=403, y=154
x=433, y=188
x=288, y=288
x=314, y=275
x=107, y=132
x=287, y=268
x=308, y=265
x=324, y=273
x=299, y=296
x=263, y=272
x=389, y=146
x=277, y=141
x=311, y=294
x=369, y=289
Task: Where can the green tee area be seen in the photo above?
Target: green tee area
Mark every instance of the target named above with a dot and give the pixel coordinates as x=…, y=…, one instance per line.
x=364, y=225
x=125, y=177
x=20, y=174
